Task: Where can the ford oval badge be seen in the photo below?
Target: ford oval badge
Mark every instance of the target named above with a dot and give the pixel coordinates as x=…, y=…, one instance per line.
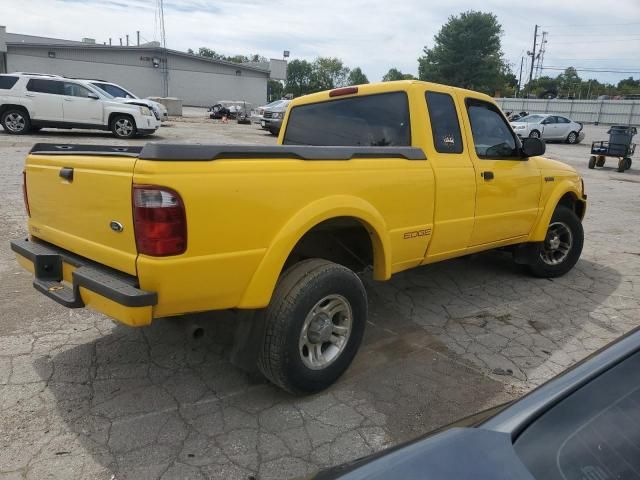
x=116, y=226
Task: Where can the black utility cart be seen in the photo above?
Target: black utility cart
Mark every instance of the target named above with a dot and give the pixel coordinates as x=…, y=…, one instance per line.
x=619, y=146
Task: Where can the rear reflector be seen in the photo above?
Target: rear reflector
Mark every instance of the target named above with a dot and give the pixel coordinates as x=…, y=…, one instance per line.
x=343, y=91
x=25, y=197
x=159, y=220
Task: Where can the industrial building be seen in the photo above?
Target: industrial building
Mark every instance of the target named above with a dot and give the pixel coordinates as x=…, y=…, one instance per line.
x=147, y=70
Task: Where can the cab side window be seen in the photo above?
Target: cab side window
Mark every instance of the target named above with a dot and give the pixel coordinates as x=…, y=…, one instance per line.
x=492, y=136
x=549, y=120
x=444, y=123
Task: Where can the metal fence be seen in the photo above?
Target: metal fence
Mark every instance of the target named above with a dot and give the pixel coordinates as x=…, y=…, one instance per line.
x=612, y=112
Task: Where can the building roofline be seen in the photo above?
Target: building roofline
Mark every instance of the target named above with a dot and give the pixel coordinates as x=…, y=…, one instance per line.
x=158, y=50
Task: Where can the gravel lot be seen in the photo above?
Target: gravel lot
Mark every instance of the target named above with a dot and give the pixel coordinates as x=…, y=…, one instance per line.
x=82, y=397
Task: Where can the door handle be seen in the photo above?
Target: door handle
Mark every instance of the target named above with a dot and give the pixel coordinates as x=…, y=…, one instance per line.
x=487, y=175
x=66, y=173
x=29, y=95
x=67, y=99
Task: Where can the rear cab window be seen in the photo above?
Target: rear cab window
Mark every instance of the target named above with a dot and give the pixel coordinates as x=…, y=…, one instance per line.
x=369, y=120
x=7, y=82
x=445, y=126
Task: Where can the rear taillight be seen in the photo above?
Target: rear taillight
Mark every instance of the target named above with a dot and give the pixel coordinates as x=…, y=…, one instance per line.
x=159, y=220
x=25, y=197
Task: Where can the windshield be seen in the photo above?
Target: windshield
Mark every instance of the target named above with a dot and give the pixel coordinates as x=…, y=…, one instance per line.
x=113, y=90
x=532, y=119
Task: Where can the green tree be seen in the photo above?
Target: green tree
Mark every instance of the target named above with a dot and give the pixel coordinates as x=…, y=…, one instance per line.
x=328, y=73
x=569, y=82
x=466, y=53
x=299, y=77
x=275, y=90
x=543, y=86
x=395, y=74
x=357, y=77
x=207, y=52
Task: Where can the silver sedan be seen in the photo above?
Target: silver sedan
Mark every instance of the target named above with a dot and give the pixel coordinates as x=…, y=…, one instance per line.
x=548, y=127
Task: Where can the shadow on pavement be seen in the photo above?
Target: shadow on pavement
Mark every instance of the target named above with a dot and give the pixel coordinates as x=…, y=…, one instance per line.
x=443, y=342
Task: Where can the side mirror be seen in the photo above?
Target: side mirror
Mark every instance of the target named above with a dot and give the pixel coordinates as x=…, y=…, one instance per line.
x=94, y=96
x=532, y=147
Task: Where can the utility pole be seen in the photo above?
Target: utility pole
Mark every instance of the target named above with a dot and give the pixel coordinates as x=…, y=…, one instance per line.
x=520, y=76
x=127, y=39
x=533, y=56
x=138, y=38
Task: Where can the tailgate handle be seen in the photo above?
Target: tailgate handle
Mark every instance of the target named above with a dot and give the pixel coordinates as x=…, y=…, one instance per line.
x=66, y=173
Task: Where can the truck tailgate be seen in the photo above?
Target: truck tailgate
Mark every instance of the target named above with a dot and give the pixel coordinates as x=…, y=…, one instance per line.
x=74, y=200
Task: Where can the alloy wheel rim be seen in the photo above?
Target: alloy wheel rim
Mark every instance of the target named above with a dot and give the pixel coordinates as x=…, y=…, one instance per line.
x=15, y=122
x=572, y=138
x=535, y=135
x=325, y=332
x=124, y=127
x=557, y=245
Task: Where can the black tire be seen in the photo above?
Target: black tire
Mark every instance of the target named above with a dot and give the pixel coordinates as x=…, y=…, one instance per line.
x=540, y=267
x=592, y=162
x=600, y=159
x=621, y=165
x=301, y=289
x=534, y=134
x=123, y=126
x=572, y=138
x=16, y=121
x=274, y=131
x=627, y=163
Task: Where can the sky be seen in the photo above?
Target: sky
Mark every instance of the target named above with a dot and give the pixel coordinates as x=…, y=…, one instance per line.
x=374, y=35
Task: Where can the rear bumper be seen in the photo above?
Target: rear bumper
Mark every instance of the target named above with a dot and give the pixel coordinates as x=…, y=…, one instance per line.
x=76, y=282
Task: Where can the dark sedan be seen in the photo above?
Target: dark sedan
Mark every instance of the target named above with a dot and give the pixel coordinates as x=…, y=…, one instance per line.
x=581, y=425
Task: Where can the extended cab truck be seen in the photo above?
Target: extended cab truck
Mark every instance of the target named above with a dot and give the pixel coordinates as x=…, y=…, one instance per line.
x=400, y=174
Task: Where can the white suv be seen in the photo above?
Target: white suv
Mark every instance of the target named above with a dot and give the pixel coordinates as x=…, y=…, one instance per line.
x=29, y=102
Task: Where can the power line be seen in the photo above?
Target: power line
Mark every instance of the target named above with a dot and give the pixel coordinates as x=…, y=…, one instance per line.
x=575, y=25
x=591, y=70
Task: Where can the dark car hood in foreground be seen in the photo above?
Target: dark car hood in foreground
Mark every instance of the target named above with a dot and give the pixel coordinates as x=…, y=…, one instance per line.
x=458, y=453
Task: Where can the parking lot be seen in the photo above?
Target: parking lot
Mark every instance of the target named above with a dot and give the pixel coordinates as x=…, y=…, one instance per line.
x=82, y=397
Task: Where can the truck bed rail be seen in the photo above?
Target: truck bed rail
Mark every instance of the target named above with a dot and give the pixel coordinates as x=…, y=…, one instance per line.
x=180, y=152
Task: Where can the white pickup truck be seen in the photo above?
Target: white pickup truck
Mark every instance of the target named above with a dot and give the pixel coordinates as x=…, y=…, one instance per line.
x=29, y=102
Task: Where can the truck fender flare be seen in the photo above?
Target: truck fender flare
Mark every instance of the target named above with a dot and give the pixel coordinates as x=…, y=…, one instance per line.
x=263, y=282
x=539, y=232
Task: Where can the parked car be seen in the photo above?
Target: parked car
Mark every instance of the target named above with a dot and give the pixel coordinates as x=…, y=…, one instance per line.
x=258, y=113
x=513, y=116
x=31, y=102
x=282, y=230
x=273, y=117
x=582, y=425
x=548, y=127
x=120, y=93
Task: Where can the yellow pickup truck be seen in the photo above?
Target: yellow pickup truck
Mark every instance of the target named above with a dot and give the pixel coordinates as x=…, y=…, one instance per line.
x=391, y=175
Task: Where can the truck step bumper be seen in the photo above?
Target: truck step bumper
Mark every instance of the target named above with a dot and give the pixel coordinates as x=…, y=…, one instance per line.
x=77, y=282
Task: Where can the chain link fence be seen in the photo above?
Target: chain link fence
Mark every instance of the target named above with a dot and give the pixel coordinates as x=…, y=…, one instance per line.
x=610, y=112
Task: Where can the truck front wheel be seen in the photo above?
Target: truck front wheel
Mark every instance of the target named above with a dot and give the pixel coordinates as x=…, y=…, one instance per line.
x=314, y=326
x=562, y=246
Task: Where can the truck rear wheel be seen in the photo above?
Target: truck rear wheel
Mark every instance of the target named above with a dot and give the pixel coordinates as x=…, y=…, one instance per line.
x=561, y=248
x=313, y=326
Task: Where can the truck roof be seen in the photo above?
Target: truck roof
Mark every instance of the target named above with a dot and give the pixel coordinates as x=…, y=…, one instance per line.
x=379, y=87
